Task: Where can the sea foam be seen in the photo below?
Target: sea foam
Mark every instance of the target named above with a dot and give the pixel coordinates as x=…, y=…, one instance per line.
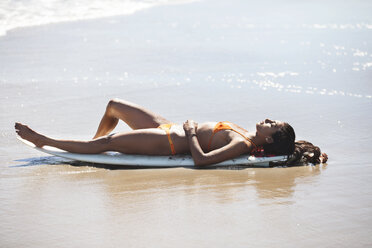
x=24, y=13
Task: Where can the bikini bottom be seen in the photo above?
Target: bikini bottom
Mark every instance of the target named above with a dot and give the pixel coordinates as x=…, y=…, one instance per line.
x=166, y=128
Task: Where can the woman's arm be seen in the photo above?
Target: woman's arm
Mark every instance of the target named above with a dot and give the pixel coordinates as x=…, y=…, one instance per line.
x=229, y=151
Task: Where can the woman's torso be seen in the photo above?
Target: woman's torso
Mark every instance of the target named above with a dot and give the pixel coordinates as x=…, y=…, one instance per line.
x=204, y=133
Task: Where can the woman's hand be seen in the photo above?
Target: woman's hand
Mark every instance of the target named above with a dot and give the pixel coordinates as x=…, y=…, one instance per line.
x=190, y=127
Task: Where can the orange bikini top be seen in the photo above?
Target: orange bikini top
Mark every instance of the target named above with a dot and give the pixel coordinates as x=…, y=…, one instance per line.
x=224, y=125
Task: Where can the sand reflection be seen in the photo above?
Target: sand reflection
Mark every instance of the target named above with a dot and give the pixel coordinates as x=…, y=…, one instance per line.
x=282, y=182
x=223, y=186
x=124, y=186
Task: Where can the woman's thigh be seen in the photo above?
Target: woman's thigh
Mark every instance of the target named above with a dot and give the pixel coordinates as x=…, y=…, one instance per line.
x=136, y=116
x=152, y=141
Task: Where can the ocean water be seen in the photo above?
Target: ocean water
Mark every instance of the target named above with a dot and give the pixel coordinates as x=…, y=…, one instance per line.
x=305, y=62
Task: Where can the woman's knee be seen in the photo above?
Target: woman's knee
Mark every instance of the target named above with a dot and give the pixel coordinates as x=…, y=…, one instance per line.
x=114, y=105
x=119, y=103
x=118, y=107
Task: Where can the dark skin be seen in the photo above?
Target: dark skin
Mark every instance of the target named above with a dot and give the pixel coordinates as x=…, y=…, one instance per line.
x=147, y=139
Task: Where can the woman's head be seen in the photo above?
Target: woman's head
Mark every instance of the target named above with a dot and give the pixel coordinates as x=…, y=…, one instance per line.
x=280, y=140
x=279, y=137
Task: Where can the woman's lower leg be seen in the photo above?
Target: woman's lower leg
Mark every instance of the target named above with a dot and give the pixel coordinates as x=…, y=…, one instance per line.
x=39, y=140
x=86, y=147
x=107, y=124
x=111, y=117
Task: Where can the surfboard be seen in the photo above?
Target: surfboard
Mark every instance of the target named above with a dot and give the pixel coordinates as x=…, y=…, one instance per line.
x=116, y=158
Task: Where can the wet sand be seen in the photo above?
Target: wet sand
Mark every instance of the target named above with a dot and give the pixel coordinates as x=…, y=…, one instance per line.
x=208, y=60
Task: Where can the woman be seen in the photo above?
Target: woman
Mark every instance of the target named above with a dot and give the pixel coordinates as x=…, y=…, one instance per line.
x=208, y=143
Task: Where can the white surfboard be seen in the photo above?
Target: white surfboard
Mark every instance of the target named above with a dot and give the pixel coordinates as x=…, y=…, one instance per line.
x=116, y=158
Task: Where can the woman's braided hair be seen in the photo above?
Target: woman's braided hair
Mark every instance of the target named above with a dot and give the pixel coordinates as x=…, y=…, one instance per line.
x=306, y=152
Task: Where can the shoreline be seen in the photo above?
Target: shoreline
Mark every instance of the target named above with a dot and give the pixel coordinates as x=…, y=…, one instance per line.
x=131, y=8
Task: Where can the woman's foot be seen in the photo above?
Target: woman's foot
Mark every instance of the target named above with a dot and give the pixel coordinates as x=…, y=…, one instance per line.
x=28, y=134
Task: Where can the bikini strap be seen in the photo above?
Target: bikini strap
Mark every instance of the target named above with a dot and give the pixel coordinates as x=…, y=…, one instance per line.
x=166, y=127
x=245, y=137
x=216, y=130
x=248, y=139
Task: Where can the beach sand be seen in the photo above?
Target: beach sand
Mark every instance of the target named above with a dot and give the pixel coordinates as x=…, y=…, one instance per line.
x=309, y=64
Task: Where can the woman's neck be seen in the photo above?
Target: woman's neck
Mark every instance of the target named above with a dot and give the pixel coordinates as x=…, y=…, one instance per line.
x=257, y=139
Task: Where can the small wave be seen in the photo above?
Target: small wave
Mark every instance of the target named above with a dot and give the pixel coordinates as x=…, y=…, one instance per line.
x=24, y=13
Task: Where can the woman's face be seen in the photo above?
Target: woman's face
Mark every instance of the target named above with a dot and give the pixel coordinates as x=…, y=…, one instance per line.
x=268, y=127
